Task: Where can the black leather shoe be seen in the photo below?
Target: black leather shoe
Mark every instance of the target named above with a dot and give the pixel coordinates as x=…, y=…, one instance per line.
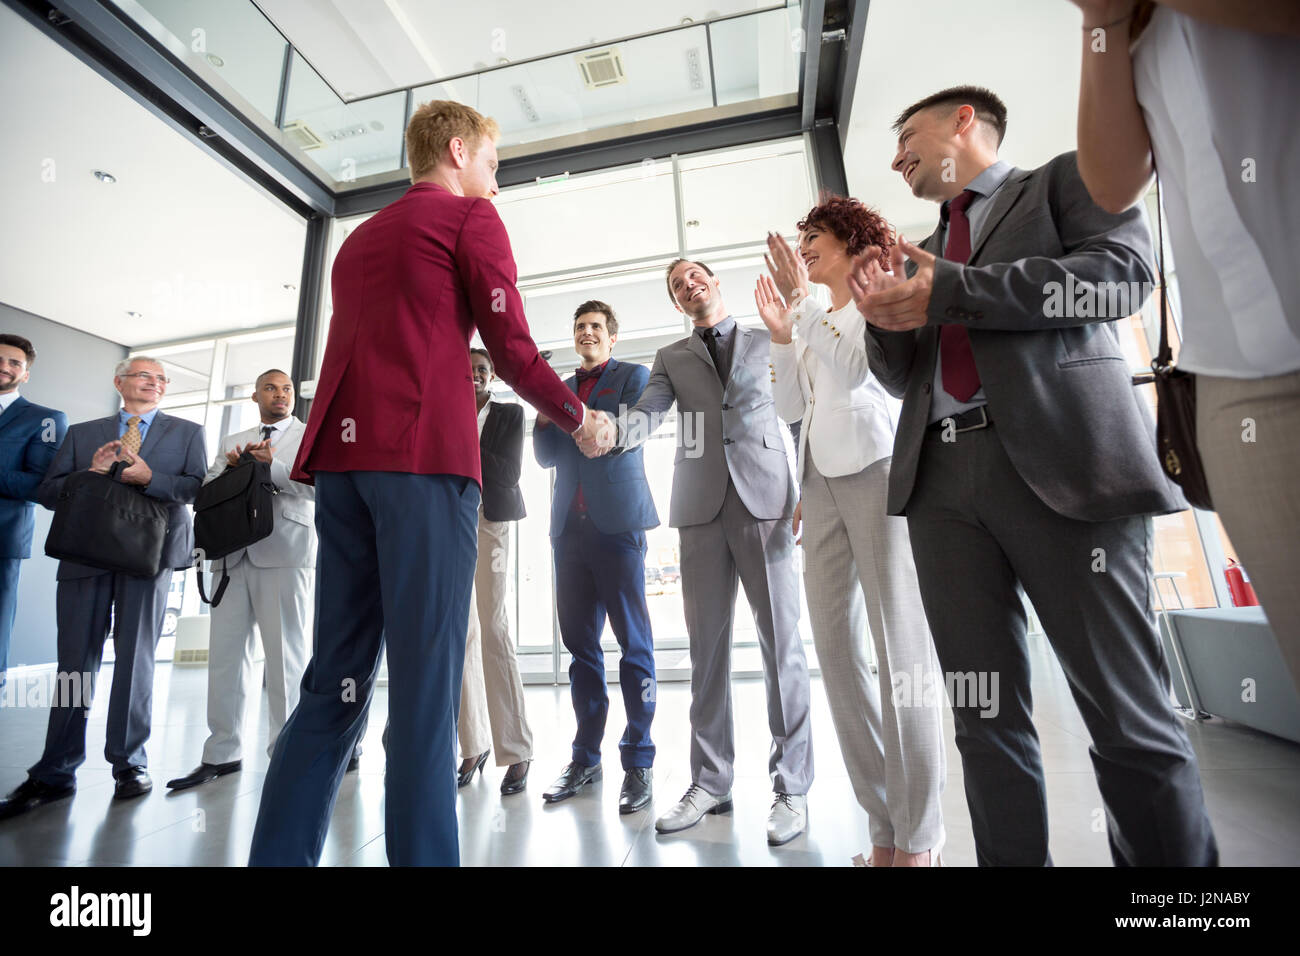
x=516, y=777
x=31, y=794
x=637, y=792
x=470, y=766
x=134, y=783
x=203, y=773
x=572, y=779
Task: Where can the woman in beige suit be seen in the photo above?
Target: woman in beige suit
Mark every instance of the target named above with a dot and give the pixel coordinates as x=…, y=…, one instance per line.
x=858, y=572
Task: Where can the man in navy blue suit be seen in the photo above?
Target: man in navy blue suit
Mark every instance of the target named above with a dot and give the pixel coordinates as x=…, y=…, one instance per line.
x=599, y=515
x=166, y=459
x=30, y=434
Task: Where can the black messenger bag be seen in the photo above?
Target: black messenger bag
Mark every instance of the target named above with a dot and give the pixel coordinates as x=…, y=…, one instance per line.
x=231, y=512
x=103, y=523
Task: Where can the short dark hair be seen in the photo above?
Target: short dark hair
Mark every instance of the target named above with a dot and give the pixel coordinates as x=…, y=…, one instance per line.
x=852, y=223
x=484, y=353
x=988, y=106
x=668, y=274
x=595, y=305
x=18, y=342
x=257, y=382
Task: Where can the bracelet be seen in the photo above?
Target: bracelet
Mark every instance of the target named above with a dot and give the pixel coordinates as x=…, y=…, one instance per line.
x=1106, y=26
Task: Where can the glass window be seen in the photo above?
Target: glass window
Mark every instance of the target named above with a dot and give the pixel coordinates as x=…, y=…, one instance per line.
x=757, y=57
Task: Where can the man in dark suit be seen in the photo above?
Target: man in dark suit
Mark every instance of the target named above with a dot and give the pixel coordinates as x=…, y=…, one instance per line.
x=29, y=436
x=392, y=449
x=166, y=460
x=1025, y=458
x=492, y=692
x=600, y=511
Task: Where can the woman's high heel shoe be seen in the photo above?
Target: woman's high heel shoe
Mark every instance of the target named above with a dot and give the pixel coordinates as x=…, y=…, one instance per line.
x=470, y=766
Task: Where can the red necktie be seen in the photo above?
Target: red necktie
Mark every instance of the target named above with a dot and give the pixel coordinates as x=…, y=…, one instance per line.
x=961, y=379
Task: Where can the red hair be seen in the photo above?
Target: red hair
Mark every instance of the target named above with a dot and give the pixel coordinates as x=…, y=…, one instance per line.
x=852, y=223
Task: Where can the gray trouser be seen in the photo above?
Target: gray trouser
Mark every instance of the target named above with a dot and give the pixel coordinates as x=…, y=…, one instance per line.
x=859, y=572
x=736, y=545
x=979, y=533
x=1247, y=433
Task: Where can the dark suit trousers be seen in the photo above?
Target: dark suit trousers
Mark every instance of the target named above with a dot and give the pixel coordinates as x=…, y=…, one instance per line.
x=977, y=532
x=596, y=575
x=82, y=608
x=9, y=568
x=395, y=567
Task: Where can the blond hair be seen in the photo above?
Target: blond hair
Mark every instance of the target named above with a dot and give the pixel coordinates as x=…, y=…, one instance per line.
x=435, y=124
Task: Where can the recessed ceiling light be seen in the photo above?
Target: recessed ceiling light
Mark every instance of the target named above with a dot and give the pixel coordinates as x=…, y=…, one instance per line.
x=216, y=60
x=134, y=315
x=104, y=177
x=289, y=287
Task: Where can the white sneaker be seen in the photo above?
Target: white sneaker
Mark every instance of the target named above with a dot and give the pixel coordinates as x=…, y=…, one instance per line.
x=788, y=818
x=691, y=808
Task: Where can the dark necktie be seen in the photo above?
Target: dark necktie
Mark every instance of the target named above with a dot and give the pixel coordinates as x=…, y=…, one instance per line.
x=266, y=432
x=584, y=374
x=961, y=379
x=710, y=337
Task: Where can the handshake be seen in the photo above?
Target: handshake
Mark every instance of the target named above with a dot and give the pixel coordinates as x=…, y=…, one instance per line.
x=595, y=436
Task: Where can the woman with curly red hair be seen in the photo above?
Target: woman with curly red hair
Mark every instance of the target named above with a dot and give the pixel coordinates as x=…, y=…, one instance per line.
x=858, y=573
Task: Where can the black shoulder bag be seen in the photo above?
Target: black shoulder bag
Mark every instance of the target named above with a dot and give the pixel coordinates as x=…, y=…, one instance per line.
x=1175, y=399
x=231, y=512
x=103, y=523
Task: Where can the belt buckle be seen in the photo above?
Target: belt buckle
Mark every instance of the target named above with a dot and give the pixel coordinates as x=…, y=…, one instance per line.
x=983, y=423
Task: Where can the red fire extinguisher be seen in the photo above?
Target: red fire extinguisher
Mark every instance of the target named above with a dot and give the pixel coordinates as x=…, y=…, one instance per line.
x=1243, y=595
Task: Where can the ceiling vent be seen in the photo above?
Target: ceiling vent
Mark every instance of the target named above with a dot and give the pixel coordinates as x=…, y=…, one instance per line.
x=301, y=135
x=601, y=68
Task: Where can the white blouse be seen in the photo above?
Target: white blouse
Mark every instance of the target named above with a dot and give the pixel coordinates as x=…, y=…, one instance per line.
x=1219, y=108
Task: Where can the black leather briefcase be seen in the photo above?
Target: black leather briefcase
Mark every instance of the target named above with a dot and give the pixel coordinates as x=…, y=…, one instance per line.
x=103, y=523
x=231, y=512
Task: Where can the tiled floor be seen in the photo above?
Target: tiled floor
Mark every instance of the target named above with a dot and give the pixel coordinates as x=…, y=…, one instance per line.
x=1252, y=784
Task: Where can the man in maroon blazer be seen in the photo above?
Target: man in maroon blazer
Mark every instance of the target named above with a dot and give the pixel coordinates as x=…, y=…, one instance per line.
x=392, y=447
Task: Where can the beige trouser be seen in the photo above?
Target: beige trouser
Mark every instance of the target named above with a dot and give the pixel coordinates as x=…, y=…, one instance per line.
x=491, y=691
x=1254, y=485
x=861, y=585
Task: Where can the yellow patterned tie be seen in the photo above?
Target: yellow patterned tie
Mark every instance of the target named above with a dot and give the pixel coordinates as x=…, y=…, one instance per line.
x=131, y=437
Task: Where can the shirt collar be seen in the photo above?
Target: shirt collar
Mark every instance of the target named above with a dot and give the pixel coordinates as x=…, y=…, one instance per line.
x=279, y=426
x=146, y=419
x=8, y=399
x=725, y=327
x=991, y=179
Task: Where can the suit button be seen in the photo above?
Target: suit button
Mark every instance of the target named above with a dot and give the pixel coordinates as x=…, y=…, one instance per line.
x=926, y=388
x=726, y=441
x=824, y=322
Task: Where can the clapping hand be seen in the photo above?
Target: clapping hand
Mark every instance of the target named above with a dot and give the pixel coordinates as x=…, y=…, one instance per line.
x=788, y=269
x=105, y=455
x=773, y=311
x=890, y=300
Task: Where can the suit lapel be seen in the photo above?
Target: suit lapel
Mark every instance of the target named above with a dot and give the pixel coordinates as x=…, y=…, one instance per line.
x=159, y=425
x=11, y=413
x=695, y=345
x=605, y=376
x=1002, y=202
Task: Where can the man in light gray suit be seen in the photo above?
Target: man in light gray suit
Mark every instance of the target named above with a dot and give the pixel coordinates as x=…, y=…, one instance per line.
x=165, y=459
x=732, y=500
x=1025, y=458
x=271, y=586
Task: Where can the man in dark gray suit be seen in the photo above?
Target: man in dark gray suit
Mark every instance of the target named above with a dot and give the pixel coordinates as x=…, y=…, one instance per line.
x=732, y=500
x=167, y=460
x=1025, y=458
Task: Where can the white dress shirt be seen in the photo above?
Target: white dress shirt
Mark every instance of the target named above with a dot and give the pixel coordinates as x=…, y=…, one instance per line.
x=7, y=399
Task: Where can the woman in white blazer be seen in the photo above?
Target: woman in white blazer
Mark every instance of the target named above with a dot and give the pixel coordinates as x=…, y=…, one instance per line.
x=858, y=560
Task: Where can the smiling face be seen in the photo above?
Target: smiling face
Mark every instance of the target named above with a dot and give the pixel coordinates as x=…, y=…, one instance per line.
x=480, y=367
x=13, y=367
x=274, y=396
x=825, y=255
x=927, y=147
x=591, y=339
x=694, y=290
x=143, y=385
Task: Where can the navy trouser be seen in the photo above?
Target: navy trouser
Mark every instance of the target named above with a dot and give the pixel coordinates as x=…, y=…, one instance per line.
x=597, y=575
x=9, y=568
x=395, y=567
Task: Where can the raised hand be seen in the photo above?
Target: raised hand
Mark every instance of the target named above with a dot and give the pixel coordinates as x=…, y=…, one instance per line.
x=137, y=472
x=104, y=457
x=773, y=311
x=261, y=451
x=787, y=268
x=890, y=300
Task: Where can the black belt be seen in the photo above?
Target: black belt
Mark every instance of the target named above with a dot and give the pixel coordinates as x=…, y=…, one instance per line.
x=967, y=421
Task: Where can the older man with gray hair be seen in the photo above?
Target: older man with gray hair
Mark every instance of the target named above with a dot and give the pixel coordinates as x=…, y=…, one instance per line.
x=166, y=460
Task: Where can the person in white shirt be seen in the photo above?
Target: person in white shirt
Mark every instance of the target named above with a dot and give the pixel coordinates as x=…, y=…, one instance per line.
x=272, y=585
x=858, y=573
x=1191, y=89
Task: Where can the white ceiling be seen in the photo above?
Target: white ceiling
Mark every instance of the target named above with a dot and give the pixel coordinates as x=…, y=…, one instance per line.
x=1026, y=51
x=363, y=47
x=179, y=237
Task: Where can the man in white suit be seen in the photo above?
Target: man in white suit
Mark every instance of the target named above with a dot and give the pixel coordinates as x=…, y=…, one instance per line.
x=272, y=584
